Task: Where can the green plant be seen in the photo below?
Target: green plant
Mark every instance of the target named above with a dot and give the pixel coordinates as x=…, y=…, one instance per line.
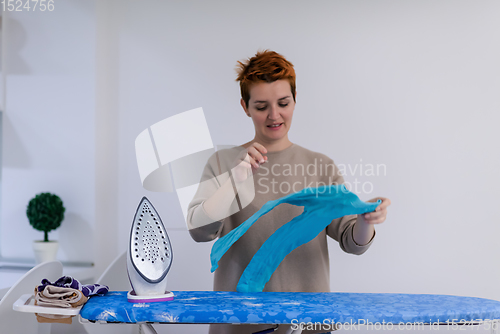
x=45, y=212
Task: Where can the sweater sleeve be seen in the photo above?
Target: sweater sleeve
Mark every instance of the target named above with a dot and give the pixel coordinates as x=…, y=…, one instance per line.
x=201, y=227
x=341, y=229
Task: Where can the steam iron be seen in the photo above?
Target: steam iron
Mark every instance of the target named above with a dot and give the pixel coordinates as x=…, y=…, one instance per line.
x=149, y=256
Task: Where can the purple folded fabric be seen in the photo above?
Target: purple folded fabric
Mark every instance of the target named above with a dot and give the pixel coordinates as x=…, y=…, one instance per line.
x=70, y=282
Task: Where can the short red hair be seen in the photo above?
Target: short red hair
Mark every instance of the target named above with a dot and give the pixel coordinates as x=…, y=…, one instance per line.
x=265, y=66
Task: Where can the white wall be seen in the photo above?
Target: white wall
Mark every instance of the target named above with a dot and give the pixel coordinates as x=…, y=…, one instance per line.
x=412, y=85
x=49, y=125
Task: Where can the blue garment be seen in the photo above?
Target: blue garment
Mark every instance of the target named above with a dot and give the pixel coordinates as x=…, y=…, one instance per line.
x=321, y=206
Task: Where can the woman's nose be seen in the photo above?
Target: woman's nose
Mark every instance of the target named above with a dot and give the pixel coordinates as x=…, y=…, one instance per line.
x=273, y=113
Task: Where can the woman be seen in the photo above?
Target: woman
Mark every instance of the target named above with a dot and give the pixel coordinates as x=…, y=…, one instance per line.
x=278, y=167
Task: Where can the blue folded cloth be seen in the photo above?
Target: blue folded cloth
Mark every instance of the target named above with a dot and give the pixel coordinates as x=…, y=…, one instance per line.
x=70, y=282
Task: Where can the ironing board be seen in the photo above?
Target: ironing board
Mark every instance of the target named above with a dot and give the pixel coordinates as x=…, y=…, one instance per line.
x=211, y=307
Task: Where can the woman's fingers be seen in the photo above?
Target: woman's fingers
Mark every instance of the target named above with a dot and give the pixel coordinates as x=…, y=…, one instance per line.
x=253, y=156
x=376, y=221
x=247, y=162
x=257, y=152
x=378, y=216
x=375, y=214
x=385, y=203
x=260, y=147
x=374, y=218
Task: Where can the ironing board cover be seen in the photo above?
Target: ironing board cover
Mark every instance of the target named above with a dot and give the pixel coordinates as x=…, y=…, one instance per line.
x=283, y=307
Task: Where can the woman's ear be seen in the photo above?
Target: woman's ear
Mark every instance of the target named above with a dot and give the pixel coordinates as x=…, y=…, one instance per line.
x=243, y=104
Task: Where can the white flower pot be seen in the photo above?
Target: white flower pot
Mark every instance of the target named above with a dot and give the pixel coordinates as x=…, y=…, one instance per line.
x=45, y=251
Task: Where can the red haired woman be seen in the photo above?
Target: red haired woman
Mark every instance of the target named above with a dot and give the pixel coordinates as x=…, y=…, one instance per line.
x=279, y=167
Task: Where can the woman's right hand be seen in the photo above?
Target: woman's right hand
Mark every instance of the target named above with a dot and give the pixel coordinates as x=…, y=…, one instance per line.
x=249, y=161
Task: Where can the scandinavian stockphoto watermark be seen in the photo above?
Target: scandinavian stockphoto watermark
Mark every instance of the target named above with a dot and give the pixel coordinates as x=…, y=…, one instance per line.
x=287, y=178
x=365, y=324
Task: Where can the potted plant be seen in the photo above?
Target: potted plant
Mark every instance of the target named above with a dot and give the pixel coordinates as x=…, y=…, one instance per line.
x=45, y=213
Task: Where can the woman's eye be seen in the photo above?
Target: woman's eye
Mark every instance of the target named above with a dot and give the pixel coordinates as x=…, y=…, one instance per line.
x=261, y=108
x=283, y=105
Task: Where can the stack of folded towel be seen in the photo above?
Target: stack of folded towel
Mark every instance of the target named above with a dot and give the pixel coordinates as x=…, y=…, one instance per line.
x=66, y=292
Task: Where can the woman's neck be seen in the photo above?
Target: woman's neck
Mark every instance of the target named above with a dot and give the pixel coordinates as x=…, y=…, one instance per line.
x=273, y=146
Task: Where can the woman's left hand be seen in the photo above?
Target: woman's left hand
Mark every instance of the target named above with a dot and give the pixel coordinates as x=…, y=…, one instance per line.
x=378, y=216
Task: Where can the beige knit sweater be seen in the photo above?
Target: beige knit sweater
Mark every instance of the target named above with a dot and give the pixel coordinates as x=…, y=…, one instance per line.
x=307, y=268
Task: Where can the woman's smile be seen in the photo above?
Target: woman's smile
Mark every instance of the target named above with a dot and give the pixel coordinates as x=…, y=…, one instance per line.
x=275, y=127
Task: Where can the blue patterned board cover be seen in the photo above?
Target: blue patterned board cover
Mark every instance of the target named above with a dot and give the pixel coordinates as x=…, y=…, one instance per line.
x=285, y=307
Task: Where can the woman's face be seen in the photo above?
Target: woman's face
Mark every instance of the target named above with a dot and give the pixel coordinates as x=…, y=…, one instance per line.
x=270, y=104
